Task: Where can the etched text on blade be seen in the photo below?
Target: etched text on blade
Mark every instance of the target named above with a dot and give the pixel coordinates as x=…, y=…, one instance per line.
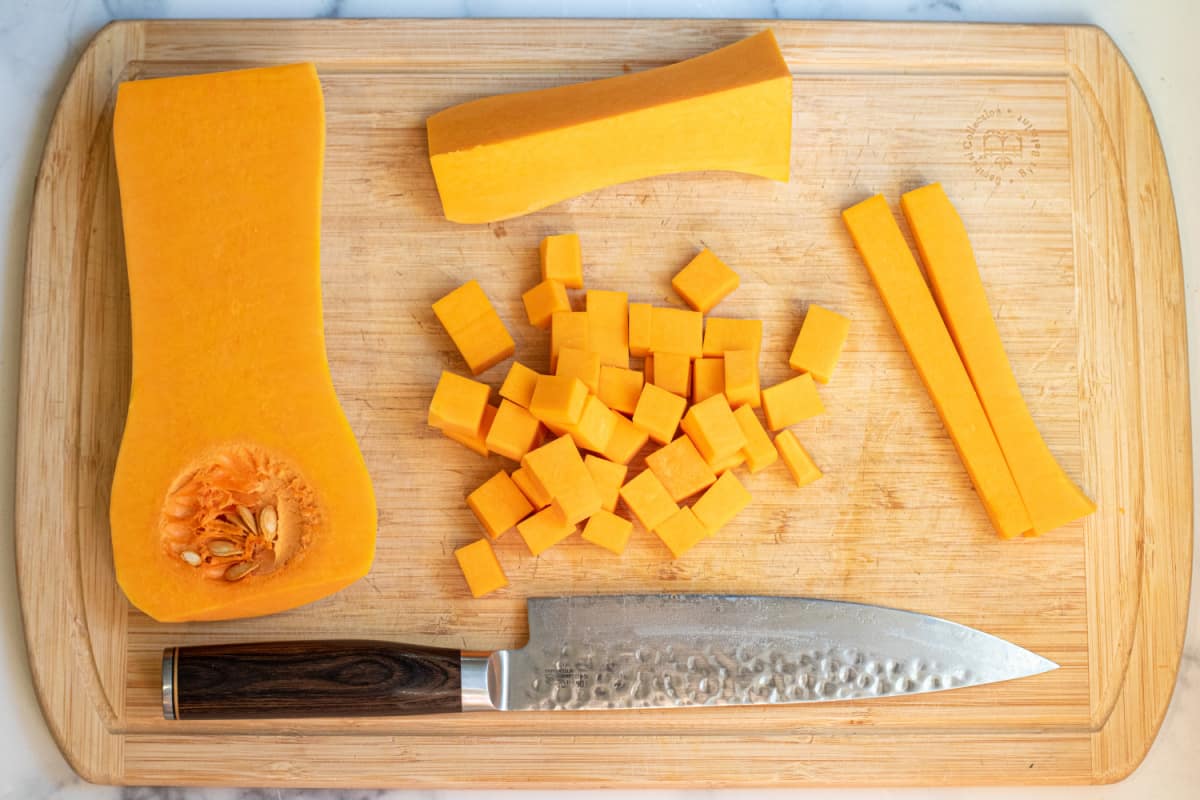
x=626, y=675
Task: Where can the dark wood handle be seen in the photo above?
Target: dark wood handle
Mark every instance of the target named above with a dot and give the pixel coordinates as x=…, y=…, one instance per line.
x=337, y=678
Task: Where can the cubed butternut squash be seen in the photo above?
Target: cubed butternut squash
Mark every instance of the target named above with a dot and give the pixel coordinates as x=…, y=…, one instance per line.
x=713, y=429
x=545, y=529
x=708, y=378
x=658, y=413
x=648, y=500
x=608, y=318
x=723, y=501
x=480, y=567
x=681, y=531
x=609, y=531
x=759, y=451
x=543, y=301
x=791, y=401
x=474, y=327
x=705, y=281
x=620, y=388
x=562, y=260
x=499, y=504
x=513, y=432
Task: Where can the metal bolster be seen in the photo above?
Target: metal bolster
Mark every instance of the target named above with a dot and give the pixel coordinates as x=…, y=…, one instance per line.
x=168, y=682
x=478, y=684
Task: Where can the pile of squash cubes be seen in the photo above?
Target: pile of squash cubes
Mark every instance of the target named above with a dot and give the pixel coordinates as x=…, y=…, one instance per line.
x=575, y=433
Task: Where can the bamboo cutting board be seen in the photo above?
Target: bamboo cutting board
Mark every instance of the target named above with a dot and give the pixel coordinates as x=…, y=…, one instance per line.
x=1041, y=137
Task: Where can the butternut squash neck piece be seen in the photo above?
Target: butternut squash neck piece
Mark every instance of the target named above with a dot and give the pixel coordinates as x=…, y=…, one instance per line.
x=915, y=315
x=507, y=155
x=1051, y=498
x=239, y=488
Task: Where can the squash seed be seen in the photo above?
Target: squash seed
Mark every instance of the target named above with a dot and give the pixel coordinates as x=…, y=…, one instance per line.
x=247, y=519
x=191, y=557
x=268, y=520
x=239, y=571
x=223, y=547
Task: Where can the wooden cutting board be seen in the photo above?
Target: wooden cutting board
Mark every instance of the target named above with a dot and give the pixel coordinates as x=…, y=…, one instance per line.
x=1041, y=137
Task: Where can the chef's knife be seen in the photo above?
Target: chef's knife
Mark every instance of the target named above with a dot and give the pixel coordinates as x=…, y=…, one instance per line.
x=605, y=652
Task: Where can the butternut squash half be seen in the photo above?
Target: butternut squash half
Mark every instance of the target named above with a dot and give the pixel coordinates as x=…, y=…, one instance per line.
x=239, y=487
x=503, y=156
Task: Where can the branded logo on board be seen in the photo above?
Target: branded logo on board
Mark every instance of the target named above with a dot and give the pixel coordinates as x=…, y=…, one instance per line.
x=1002, y=145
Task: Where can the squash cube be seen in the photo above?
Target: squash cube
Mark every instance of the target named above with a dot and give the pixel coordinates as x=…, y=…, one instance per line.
x=722, y=334
x=518, y=384
x=723, y=501
x=620, y=388
x=648, y=499
x=708, y=378
x=658, y=413
x=476, y=441
x=792, y=401
x=498, y=504
x=559, y=470
x=675, y=330
x=741, y=378
x=626, y=442
x=558, y=400
x=798, y=461
x=608, y=316
x=819, y=344
x=480, y=567
x=681, y=531
x=608, y=477
x=458, y=404
x=595, y=426
x=514, y=431
x=680, y=468
x=474, y=327
x=609, y=531
x=639, y=329
x=721, y=466
x=705, y=281
x=648, y=368
x=759, y=451
x=581, y=364
x=562, y=260
x=543, y=301
x=568, y=329
x=673, y=372
x=545, y=529
x=711, y=426
x=533, y=491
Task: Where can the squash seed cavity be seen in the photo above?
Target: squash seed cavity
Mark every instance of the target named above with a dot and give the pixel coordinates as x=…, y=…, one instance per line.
x=240, y=515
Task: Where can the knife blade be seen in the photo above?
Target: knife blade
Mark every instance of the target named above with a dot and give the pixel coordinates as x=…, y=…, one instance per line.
x=606, y=652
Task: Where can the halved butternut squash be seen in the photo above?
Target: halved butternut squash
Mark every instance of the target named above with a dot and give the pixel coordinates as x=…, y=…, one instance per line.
x=239, y=488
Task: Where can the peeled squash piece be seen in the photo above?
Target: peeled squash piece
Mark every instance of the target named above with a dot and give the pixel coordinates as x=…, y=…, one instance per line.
x=503, y=156
x=239, y=488
x=1051, y=497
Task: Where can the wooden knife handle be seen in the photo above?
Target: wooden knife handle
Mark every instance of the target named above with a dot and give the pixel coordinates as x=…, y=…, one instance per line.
x=336, y=678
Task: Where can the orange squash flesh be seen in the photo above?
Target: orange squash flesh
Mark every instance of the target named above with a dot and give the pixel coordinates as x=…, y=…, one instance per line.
x=907, y=298
x=1051, y=497
x=220, y=180
x=503, y=156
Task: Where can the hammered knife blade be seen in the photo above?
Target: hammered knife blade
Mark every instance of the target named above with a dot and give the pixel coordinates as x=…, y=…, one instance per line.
x=606, y=652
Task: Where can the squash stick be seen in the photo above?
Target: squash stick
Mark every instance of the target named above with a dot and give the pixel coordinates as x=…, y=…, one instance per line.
x=906, y=296
x=1051, y=497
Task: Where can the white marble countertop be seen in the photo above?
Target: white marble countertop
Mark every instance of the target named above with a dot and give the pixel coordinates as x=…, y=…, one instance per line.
x=39, y=43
